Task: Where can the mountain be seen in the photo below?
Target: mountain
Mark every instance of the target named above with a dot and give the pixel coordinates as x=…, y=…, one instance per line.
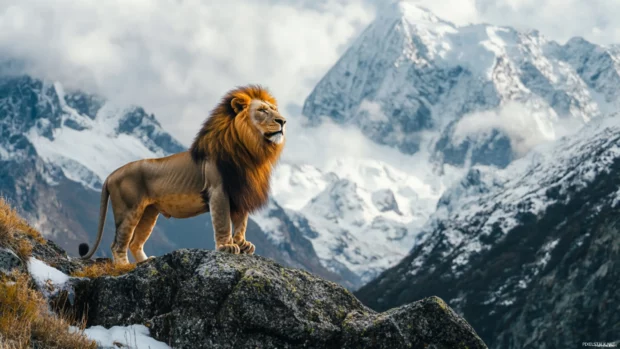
x=56, y=149
x=529, y=254
x=477, y=94
x=450, y=98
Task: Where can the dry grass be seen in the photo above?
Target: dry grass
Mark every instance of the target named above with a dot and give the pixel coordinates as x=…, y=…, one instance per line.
x=25, y=318
x=106, y=268
x=15, y=233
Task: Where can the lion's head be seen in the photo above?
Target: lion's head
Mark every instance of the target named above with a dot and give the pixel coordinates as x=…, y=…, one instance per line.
x=263, y=115
x=244, y=136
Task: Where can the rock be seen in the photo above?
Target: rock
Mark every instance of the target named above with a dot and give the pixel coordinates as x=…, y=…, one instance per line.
x=384, y=201
x=207, y=299
x=56, y=257
x=9, y=261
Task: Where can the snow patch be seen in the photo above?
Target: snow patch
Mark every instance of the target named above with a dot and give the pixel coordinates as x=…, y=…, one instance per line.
x=4, y=154
x=130, y=337
x=546, y=249
x=48, y=279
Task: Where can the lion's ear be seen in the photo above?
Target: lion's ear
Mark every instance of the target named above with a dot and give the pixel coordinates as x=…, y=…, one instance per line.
x=238, y=104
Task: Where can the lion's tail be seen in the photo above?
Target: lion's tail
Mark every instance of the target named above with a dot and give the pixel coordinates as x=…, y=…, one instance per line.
x=103, y=210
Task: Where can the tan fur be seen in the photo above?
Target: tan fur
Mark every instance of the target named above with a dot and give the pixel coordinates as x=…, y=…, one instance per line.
x=226, y=172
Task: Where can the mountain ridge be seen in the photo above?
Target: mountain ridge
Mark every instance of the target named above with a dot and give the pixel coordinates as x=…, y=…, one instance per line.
x=517, y=251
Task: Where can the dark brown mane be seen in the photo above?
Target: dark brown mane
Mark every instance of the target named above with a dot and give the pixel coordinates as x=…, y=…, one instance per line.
x=244, y=160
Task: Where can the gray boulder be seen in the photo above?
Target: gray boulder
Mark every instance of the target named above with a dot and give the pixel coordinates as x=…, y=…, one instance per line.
x=207, y=299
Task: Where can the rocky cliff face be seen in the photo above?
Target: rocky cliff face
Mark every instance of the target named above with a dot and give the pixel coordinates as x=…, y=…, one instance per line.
x=528, y=255
x=207, y=299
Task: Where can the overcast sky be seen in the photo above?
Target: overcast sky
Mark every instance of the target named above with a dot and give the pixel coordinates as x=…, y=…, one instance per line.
x=177, y=57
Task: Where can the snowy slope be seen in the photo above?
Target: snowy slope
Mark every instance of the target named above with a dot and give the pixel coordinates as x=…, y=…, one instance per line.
x=82, y=135
x=530, y=185
x=361, y=215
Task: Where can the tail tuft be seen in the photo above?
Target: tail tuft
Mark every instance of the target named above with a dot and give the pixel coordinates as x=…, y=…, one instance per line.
x=83, y=249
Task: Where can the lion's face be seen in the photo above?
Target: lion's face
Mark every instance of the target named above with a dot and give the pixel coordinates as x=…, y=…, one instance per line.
x=268, y=120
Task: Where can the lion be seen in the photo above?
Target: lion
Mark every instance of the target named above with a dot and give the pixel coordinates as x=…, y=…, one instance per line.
x=226, y=171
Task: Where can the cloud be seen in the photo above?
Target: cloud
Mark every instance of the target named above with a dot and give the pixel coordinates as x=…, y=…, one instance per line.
x=321, y=144
x=556, y=19
x=178, y=57
x=526, y=128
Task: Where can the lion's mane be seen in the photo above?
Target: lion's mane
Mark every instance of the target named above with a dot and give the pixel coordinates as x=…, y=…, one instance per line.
x=243, y=158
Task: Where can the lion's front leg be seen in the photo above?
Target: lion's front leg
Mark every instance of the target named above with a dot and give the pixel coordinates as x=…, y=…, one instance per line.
x=240, y=222
x=220, y=217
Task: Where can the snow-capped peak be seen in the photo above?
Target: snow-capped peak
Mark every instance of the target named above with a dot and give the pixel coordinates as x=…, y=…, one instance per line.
x=83, y=135
x=411, y=78
x=410, y=12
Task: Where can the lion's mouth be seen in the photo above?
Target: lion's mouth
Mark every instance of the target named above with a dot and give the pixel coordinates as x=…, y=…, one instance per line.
x=275, y=137
x=271, y=134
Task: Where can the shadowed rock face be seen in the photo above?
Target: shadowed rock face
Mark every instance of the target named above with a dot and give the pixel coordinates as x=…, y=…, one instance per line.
x=208, y=299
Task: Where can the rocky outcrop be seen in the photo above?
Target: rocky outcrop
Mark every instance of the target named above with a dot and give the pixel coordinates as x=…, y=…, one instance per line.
x=207, y=299
x=8, y=261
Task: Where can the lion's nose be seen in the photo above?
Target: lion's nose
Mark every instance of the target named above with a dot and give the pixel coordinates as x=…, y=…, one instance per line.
x=281, y=122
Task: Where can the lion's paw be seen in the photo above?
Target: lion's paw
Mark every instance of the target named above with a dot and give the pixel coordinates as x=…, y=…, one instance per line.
x=246, y=247
x=120, y=260
x=148, y=259
x=230, y=248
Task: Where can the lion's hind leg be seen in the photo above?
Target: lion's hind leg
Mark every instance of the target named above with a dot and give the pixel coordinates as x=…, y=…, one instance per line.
x=142, y=232
x=124, y=233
